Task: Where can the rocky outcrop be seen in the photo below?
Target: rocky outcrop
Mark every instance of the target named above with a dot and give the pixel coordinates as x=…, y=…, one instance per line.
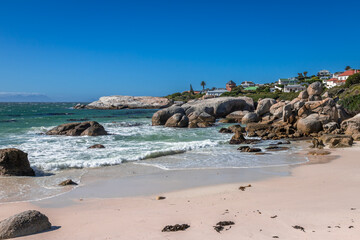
x=129, y=102
x=310, y=124
x=336, y=140
x=14, y=162
x=79, y=106
x=177, y=120
x=264, y=106
x=23, y=224
x=90, y=128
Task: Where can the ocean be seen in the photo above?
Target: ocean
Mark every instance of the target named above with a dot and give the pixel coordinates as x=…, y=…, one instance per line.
x=132, y=139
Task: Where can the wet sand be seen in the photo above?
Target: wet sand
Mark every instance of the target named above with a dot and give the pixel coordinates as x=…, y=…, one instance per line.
x=321, y=198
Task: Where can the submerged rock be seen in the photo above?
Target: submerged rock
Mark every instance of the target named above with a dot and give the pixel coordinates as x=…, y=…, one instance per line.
x=90, y=128
x=23, y=224
x=97, y=146
x=14, y=162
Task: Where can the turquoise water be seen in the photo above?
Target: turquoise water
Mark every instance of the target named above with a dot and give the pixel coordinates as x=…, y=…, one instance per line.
x=22, y=125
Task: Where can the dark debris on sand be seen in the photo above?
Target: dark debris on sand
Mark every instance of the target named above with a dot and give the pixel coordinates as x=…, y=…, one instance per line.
x=220, y=225
x=299, y=227
x=242, y=188
x=175, y=228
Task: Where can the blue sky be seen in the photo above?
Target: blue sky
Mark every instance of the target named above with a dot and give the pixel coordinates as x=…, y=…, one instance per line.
x=81, y=50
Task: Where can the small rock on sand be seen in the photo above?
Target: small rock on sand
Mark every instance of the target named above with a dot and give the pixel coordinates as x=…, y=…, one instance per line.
x=160, y=197
x=67, y=182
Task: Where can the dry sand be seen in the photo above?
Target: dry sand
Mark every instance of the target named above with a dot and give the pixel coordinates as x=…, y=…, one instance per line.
x=324, y=199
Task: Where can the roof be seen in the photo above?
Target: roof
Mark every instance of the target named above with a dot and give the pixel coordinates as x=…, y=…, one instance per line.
x=218, y=90
x=294, y=86
x=349, y=72
x=251, y=88
x=231, y=82
x=247, y=82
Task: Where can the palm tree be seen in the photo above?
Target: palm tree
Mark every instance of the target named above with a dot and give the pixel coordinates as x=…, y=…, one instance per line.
x=305, y=73
x=203, y=84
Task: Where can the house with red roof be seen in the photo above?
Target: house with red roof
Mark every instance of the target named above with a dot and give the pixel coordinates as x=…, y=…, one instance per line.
x=340, y=79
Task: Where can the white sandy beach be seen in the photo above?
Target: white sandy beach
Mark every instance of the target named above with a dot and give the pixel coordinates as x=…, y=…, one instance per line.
x=321, y=198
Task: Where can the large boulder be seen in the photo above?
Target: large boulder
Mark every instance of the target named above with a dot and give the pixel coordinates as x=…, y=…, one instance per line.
x=336, y=140
x=277, y=109
x=264, y=106
x=250, y=117
x=161, y=116
x=351, y=126
x=314, y=89
x=310, y=124
x=236, y=116
x=200, y=120
x=23, y=224
x=120, y=102
x=177, y=120
x=14, y=162
x=90, y=128
x=219, y=107
x=303, y=95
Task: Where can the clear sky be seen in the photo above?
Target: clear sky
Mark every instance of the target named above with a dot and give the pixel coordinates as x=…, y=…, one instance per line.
x=81, y=50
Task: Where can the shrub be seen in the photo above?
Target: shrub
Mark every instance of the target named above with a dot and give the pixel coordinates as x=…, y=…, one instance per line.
x=353, y=79
x=351, y=103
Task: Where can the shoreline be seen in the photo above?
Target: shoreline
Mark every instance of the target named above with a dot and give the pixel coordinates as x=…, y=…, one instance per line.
x=314, y=196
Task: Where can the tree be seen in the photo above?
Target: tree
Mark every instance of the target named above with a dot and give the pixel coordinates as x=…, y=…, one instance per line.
x=353, y=79
x=305, y=74
x=347, y=68
x=301, y=76
x=203, y=84
x=191, y=89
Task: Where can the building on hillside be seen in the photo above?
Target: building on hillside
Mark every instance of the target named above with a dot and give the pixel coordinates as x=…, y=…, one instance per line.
x=294, y=88
x=230, y=85
x=345, y=75
x=216, y=92
x=287, y=81
x=324, y=74
x=247, y=84
x=340, y=78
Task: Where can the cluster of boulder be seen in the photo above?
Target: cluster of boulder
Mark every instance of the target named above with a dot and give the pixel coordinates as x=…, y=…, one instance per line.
x=201, y=113
x=309, y=115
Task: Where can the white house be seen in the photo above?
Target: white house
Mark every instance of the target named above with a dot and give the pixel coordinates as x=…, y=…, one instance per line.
x=340, y=78
x=294, y=88
x=247, y=84
x=324, y=74
x=216, y=92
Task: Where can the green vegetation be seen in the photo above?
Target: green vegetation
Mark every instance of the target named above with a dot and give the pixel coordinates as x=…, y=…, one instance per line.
x=260, y=92
x=349, y=97
x=352, y=80
x=185, y=96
